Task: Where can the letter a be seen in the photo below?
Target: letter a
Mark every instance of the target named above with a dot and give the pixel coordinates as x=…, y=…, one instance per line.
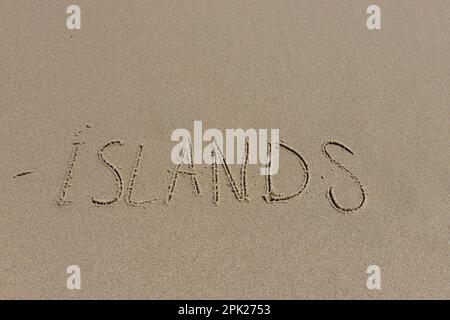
x=74, y=280
x=74, y=20
x=374, y=280
x=374, y=20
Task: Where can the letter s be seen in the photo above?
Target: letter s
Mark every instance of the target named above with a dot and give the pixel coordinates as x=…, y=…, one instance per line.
x=333, y=200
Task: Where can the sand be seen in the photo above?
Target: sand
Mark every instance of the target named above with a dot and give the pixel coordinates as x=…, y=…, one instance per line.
x=137, y=70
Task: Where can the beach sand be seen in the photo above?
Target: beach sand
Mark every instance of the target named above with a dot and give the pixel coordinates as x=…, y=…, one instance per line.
x=138, y=70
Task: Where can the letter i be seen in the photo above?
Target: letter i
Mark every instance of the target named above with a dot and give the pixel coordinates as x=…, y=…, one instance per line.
x=66, y=185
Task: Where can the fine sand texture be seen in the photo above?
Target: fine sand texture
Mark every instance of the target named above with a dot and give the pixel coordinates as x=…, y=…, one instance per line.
x=86, y=118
